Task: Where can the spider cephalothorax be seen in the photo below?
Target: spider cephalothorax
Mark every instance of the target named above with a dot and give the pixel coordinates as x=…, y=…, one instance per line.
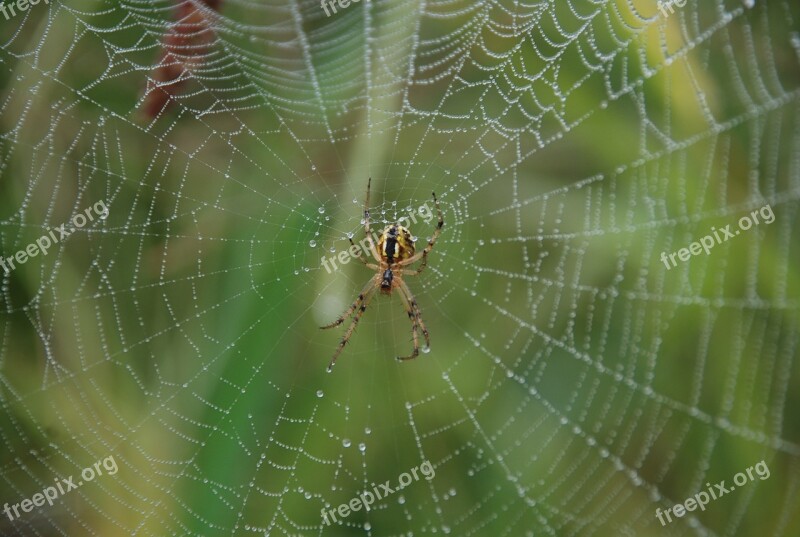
x=394, y=251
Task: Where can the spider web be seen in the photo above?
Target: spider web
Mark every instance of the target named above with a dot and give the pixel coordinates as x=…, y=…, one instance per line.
x=574, y=384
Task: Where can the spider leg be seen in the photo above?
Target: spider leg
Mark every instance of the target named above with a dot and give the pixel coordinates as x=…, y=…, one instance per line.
x=346, y=337
x=424, y=253
x=412, y=316
x=415, y=316
x=371, y=266
x=368, y=228
x=412, y=272
x=371, y=285
x=414, y=305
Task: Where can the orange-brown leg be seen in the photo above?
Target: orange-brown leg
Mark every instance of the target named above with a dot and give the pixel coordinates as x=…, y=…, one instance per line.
x=372, y=283
x=346, y=338
x=415, y=306
x=368, y=228
x=424, y=253
x=371, y=266
x=415, y=272
x=415, y=316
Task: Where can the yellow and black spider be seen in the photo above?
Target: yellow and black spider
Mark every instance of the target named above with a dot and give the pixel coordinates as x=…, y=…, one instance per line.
x=396, y=247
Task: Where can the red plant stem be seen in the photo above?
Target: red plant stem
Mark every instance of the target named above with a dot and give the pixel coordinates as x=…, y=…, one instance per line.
x=184, y=48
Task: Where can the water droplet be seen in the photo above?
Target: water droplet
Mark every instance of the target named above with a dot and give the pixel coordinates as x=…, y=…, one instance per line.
x=362, y=447
x=367, y=430
x=367, y=526
x=320, y=393
x=426, y=349
x=346, y=442
x=321, y=210
x=313, y=244
x=401, y=500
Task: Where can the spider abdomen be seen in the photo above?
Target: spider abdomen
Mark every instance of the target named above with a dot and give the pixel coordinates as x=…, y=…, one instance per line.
x=395, y=244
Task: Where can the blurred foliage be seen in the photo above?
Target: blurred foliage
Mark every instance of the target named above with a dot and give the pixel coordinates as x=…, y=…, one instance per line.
x=179, y=335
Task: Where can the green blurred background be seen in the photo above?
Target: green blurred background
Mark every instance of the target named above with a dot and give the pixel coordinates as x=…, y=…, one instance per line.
x=574, y=385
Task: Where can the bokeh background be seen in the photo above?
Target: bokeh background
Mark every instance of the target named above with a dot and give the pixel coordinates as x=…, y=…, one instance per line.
x=574, y=383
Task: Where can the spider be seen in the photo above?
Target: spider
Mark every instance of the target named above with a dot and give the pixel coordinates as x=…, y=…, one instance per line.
x=394, y=252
